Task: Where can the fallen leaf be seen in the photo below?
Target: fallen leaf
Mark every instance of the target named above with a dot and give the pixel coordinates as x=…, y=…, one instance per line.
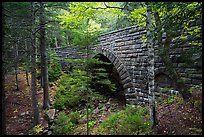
x=15, y=110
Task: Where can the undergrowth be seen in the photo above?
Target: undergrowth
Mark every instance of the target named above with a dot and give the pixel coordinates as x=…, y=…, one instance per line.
x=131, y=121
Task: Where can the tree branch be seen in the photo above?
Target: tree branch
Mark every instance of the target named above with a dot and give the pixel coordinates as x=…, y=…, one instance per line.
x=158, y=25
x=113, y=7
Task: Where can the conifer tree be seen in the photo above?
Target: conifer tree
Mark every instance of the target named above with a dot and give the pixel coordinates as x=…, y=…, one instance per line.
x=33, y=68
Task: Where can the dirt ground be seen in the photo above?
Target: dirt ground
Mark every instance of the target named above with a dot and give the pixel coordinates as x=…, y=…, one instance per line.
x=19, y=107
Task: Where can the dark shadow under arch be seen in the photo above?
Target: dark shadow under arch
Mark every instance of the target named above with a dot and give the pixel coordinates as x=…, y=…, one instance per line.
x=114, y=77
x=163, y=80
x=121, y=69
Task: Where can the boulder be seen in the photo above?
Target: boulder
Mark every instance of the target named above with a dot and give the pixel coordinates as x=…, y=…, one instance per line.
x=50, y=114
x=49, y=132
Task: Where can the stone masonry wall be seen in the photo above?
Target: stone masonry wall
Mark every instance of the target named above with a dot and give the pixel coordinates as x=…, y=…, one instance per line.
x=128, y=53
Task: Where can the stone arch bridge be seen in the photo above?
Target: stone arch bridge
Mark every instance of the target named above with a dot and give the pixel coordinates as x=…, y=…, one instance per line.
x=129, y=54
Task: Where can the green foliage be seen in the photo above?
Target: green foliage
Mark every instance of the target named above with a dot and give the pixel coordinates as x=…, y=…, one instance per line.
x=63, y=125
x=96, y=97
x=94, y=71
x=195, y=131
x=38, y=129
x=60, y=101
x=196, y=103
x=80, y=11
x=54, y=67
x=166, y=89
x=170, y=99
x=70, y=89
x=191, y=55
x=91, y=123
x=195, y=87
x=131, y=121
x=196, y=100
x=78, y=83
x=76, y=86
x=138, y=16
x=54, y=71
x=68, y=98
x=74, y=117
x=99, y=74
x=38, y=74
x=86, y=19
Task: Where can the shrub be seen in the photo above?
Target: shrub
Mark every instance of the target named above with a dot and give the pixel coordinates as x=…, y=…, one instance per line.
x=54, y=71
x=196, y=98
x=63, y=125
x=71, y=87
x=54, y=67
x=131, y=121
x=59, y=101
x=66, y=98
x=171, y=99
x=91, y=123
x=74, y=117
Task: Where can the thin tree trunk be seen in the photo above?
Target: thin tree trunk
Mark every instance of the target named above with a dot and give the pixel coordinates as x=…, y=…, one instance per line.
x=67, y=40
x=87, y=92
x=56, y=45
x=180, y=85
x=44, y=64
x=27, y=60
x=41, y=75
x=164, y=54
x=33, y=70
x=150, y=66
x=16, y=65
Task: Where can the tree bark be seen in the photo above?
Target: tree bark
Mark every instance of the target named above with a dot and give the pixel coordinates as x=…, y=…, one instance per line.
x=16, y=65
x=33, y=69
x=3, y=104
x=27, y=60
x=56, y=45
x=150, y=65
x=44, y=64
x=164, y=54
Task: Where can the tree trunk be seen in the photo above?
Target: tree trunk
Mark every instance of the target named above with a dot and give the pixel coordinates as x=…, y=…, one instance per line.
x=16, y=65
x=150, y=65
x=164, y=54
x=33, y=69
x=56, y=45
x=87, y=92
x=44, y=64
x=67, y=39
x=3, y=104
x=27, y=60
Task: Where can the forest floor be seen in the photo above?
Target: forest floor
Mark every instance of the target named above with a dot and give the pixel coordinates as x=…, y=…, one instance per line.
x=19, y=106
x=176, y=119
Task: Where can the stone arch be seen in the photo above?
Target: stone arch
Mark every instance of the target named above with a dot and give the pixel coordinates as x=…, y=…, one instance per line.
x=121, y=69
x=162, y=78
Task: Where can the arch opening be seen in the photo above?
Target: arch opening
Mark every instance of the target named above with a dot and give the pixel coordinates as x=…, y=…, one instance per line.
x=114, y=77
x=162, y=80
